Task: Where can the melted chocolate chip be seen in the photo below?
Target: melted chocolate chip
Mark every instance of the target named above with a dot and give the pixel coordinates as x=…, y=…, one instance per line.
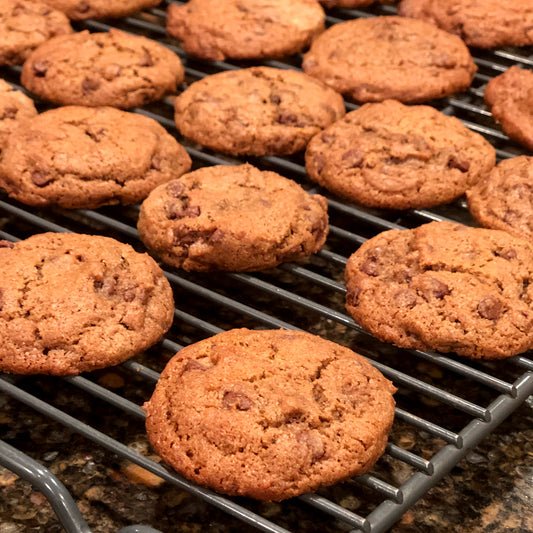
x=217, y=236
x=238, y=400
x=40, y=68
x=370, y=267
x=507, y=254
x=430, y=287
x=274, y=98
x=459, y=164
x=352, y=297
x=90, y=84
x=129, y=295
x=40, y=178
x=175, y=188
x=352, y=158
x=146, y=60
x=489, y=308
x=405, y=298
x=193, y=364
x=6, y=244
x=176, y=212
x=9, y=113
x=314, y=443
x=112, y=71
x=83, y=6
x=155, y=162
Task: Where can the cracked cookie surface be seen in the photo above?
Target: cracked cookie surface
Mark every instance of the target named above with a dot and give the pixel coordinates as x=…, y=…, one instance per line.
x=389, y=155
x=509, y=97
x=72, y=303
x=24, y=25
x=232, y=218
x=15, y=106
x=269, y=414
x=256, y=111
x=486, y=24
x=85, y=157
x=504, y=199
x=102, y=69
x=245, y=29
x=446, y=287
x=85, y=9
x=372, y=59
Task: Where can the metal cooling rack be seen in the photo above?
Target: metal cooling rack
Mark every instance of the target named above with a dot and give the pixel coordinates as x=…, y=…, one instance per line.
x=452, y=401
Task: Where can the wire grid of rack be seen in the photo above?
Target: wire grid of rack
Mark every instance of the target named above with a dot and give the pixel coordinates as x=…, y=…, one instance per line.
x=456, y=404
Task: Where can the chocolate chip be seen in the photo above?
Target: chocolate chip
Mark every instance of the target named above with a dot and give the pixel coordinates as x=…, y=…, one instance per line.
x=327, y=138
x=274, y=99
x=6, y=244
x=430, y=287
x=9, y=113
x=217, y=236
x=112, y=71
x=107, y=286
x=352, y=158
x=286, y=118
x=459, y=164
x=193, y=364
x=40, y=68
x=90, y=84
x=370, y=267
x=177, y=213
x=155, y=162
x=147, y=60
x=314, y=443
x=489, y=308
x=96, y=136
x=129, y=295
x=174, y=188
x=352, y=297
x=40, y=178
x=237, y=399
x=405, y=298
x=507, y=254
x=83, y=6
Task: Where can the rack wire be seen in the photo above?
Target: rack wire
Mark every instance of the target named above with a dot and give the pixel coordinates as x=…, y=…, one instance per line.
x=451, y=402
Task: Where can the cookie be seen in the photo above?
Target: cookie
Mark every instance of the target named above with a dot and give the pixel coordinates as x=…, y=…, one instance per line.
x=99, y=69
x=72, y=303
x=269, y=414
x=245, y=29
x=504, y=199
x=232, y=218
x=486, y=24
x=256, y=111
x=394, y=156
x=509, y=97
x=24, y=25
x=85, y=9
x=15, y=106
x=86, y=157
x=372, y=59
x=447, y=287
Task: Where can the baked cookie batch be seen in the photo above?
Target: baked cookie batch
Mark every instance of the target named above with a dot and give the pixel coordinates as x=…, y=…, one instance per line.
x=264, y=414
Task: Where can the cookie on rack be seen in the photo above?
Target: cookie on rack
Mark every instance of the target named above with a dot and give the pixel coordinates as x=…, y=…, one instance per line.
x=102, y=69
x=389, y=155
x=245, y=29
x=446, y=287
x=269, y=414
x=24, y=25
x=256, y=111
x=510, y=97
x=372, y=59
x=86, y=157
x=486, y=24
x=235, y=218
x=15, y=106
x=85, y=9
x=72, y=303
x=504, y=199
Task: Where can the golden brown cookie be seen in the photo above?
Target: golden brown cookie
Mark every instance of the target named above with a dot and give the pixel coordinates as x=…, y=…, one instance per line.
x=510, y=99
x=245, y=29
x=232, y=218
x=269, y=414
x=98, y=69
x=504, y=199
x=394, y=156
x=24, y=25
x=372, y=59
x=85, y=9
x=256, y=111
x=483, y=24
x=72, y=303
x=446, y=287
x=86, y=157
x=15, y=106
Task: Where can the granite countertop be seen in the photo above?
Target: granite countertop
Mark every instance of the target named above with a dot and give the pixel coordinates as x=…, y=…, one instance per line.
x=490, y=490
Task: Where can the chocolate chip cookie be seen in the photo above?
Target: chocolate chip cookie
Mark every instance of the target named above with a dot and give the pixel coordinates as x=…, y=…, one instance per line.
x=15, y=106
x=446, y=287
x=84, y=9
x=510, y=98
x=394, y=156
x=24, y=25
x=232, y=218
x=504, y=199
x=372, y=59
x=85, y=157
x=256, y=111
x=245, y=29
x=269, y=414
x=72, y=303
x=486, y=24
x=99, y=69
